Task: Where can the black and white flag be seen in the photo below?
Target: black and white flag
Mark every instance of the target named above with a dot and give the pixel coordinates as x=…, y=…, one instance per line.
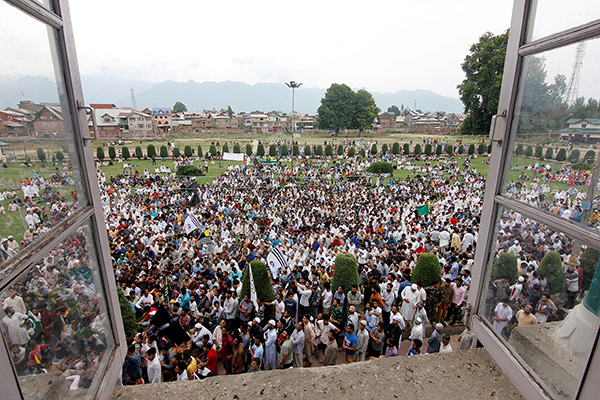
x=277, y=262
x=191, y=223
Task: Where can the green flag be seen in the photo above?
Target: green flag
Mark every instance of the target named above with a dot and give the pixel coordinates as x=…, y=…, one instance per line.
x=423, y=210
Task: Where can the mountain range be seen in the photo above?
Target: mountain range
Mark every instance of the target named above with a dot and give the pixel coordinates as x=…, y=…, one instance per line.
x=206, y=95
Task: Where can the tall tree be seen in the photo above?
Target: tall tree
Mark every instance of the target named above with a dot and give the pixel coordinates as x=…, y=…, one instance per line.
x=342, y=108
x=179, y=107
x=394, y=109
x=229, y=111
x=480, y=91
x=365, y=110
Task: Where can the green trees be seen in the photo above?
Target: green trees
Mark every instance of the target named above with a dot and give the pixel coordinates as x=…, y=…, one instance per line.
x=505, y=266
x=164, y=153
x=374, y=148
x=345, y=272
x=284, y=150
x=112, y=154
x=588, y=261
x=352, y=152
x=342, y=108
x=380, y=167
x=176, y=152
x=551, y=266
x=307, y=151
x=295, y=150
x=125, y=153
x=428, y=270
x=481, y=148
x=260, y=150
x=319, y=151
x=41, y=155
x=127, y=314
x=200, y=152
x=272, y=150
x=589, y=157
x=329, y=150
x=151, y=151
x=262, y=283
x=461, y=149
x=538, y=152
x=439, y=149
x=212, y=150
x=384, y=149
x=225, y=148
x=471, y=149
x=406, y=149
x=248, y=149
x=417, y=150
x=449, y=149
x=519, y=150
x=528, y=151
x=394, y=110
x=230, y=111
x=138, y=152
x=396, y=148
x=100, y=153
x=60, y=156
x=189, y=170
x=187, y=151
x=574, y=156
x=549, y=154
x=340, y=150
x=480, y=91
x=363, y=153
x=428, y=149
x=179, y=107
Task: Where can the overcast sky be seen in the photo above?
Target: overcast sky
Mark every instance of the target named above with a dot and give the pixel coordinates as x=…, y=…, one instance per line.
x=381, y=45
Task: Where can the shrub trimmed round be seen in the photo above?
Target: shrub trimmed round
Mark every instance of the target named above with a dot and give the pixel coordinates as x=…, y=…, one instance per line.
x=551, y=266
x=428, y=270
x=345, y=272
x=505, y=265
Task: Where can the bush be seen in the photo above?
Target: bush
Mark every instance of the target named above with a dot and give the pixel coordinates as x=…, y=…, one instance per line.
x=439, y=149
x=307, y=151
x=461, y=149
x=127, y=314
x=189, y=170
x=237, y=149
x=428, y=270
x=60, y=156
x=262, y=283
x=396, y=148
x=41, y=155
x=588, y=261
x=138, y=152
x=561, y=155
x=471, y=149
x=212, y=150
x=428, y=149
x=249, y=149
x=384, y=149
x=164, y=153
x=200, y=152
x=590, y=157
x=528, y=151
x=417, y=150
x=363, y=153
x=151, y=151
x=187, y=151
x=352, y=152
x=225, y=148
x=125, y=153
x=574, y=156
x=581, y=166
x=284, y=150
x=340, y=150
x=538, y=152
x=319, y=151
x=272, y=150
x=481, y=148
x=176, y=152
x=449, y=149
x=112, y=154
x=100, y=153
x=406, y=149
x=505, y=265
x=551, y=266
x=329, y=150
x=549, y=154
x=519, y=150
x=489, y=148
x=295, y=150
x=381, y=167
x=374, y=148
x=345, y=272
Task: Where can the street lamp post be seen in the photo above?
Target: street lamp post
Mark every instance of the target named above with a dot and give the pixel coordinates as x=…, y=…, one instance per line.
x=293, y=85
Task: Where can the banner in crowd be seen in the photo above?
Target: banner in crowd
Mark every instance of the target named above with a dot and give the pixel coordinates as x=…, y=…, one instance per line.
x=277, y=262
x=191, y=223
x=253, y=295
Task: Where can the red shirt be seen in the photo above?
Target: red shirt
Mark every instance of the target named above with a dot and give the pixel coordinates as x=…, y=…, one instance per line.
x=212, y=360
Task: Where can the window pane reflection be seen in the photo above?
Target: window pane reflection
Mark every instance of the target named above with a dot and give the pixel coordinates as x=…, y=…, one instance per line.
x=39, y=183
x=557, y=143
x=541, y=299
x=54, y=321
x=553, y=16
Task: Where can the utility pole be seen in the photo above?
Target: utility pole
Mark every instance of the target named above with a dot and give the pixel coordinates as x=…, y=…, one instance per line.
x=293, y=85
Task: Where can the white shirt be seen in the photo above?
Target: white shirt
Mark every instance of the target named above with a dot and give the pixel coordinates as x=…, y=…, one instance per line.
x=154, y=373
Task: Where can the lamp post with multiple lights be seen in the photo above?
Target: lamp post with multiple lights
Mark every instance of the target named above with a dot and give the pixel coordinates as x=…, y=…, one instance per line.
x=293, y=85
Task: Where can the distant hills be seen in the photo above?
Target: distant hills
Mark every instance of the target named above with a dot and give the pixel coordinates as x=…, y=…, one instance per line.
x=206, y=95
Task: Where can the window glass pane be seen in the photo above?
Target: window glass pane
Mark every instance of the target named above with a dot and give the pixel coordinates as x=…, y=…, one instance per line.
x=556, y=143
x=54, y=320
x=552, y=16
x=38, y=162
x=537, y=277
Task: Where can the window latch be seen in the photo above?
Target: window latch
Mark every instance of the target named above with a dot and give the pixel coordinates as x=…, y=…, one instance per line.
x=498, y=128
x=93, y=117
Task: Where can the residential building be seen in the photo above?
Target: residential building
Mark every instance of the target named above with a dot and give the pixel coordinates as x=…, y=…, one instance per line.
x=386, y=120
x=49, y=122
x=256, y=122
x=162, y=120
x=278, y=122
x=581, y=130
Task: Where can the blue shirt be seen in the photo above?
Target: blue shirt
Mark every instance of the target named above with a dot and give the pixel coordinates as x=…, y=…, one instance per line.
x=350, y=341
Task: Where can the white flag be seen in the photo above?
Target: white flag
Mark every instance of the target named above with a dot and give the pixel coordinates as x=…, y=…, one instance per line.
x=253, y=295
x=191, y=223
x=277, y=262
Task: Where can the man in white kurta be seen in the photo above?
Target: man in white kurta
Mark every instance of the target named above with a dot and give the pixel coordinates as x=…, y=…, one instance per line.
x=410, y=297
x=502, y=314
